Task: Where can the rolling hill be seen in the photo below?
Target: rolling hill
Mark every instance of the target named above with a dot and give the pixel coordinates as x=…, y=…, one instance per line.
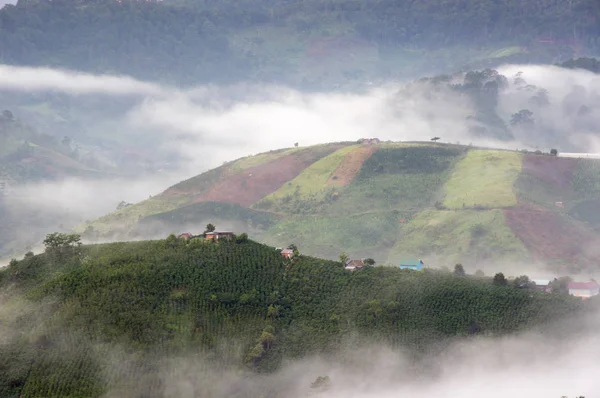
x=173, y=318
x=443, y=203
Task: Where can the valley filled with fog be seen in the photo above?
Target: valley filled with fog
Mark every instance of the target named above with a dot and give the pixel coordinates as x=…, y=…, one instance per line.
x=184, y=132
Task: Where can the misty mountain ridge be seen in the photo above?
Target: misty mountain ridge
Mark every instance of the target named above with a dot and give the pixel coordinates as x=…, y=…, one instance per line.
x=141, y=137
x=443, y=203
x=304, y=44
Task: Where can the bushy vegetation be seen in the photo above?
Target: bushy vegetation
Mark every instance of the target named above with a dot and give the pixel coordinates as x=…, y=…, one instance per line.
x=239, y=300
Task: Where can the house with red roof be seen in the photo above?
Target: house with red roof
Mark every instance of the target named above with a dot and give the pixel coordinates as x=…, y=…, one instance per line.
x=352, y=265
x=287, y=253
x=584, y=289
x=186, y=236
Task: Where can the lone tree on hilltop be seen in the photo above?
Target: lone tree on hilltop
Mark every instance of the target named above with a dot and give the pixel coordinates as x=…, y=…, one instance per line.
x=210, y=228
x=500, y=280
x=369, y=261
x=459, y=270
x=553, y=152
x=434, y=139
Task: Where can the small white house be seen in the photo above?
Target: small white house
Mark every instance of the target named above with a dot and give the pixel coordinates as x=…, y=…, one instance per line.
x=584, y=289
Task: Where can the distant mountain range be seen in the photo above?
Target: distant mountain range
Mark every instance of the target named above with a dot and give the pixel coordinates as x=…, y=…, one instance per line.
x=310, y=44
x=385, y=200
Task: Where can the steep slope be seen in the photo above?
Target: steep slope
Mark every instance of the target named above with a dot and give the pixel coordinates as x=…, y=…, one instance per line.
x=161, y=318
x=443, y=203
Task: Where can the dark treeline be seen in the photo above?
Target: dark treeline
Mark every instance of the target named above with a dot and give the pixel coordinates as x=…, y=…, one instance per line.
x=197, y=41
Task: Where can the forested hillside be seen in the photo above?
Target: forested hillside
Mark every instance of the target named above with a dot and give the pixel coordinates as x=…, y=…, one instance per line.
x=116, y=319
x=443, y=203
x=317, y=42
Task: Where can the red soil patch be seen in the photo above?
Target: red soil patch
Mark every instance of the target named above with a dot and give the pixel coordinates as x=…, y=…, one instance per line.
x=558, y=172
x=251, y=185
x=548, y=237
x=351, y=165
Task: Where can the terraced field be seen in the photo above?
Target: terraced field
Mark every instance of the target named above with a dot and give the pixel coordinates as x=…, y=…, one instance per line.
x=442, y=203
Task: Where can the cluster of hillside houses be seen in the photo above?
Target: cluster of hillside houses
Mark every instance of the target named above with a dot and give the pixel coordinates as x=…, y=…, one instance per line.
x=584, y=290
x=214, y=235
x=578, y=289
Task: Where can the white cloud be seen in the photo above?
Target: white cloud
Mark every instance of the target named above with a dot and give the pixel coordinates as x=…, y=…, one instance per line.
x=19, y=78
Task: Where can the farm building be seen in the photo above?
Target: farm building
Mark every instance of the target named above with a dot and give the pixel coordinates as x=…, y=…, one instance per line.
x=352, y=265
x=415, y=265
x=218, y=235
x=584, y=289
x=287, y=253
x=543, y=284
x=186, y=236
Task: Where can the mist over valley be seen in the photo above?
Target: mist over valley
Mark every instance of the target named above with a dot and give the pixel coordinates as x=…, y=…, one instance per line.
x=295, y=199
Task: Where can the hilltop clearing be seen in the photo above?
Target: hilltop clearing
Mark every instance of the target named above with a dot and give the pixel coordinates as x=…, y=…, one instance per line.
x=116, y=319
x=440, y=202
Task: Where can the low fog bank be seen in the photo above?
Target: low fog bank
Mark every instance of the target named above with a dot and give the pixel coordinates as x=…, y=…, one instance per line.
x=206, y=126
x=532, y=364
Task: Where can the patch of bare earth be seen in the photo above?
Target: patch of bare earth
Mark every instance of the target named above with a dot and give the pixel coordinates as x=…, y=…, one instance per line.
x=351, y=165
x=548, y=237
x=251, y=185
x=558, y=172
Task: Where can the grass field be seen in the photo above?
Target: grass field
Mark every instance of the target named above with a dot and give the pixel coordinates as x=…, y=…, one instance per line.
x=359, y=236
x=458, y=236
x=314, y=178
x=126, y=218
x=257, y=160
x=483, y=178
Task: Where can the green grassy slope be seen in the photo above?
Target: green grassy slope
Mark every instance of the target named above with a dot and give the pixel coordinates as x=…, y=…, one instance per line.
x=395, y=200
x=484, y=178
x=114, y=320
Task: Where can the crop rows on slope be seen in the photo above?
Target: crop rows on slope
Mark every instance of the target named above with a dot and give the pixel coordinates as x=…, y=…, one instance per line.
x=310, y=183
x=253, y=184
x=553, y=238
x=171, y=299
x=364, y=218
x=412, y=308
x=344, y=174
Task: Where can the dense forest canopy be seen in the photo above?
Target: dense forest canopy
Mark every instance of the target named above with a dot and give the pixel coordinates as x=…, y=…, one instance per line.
x=196, y=41
x=104, y=315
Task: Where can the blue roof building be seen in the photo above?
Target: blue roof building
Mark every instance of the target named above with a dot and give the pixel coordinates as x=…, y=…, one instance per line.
x=415, y=265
